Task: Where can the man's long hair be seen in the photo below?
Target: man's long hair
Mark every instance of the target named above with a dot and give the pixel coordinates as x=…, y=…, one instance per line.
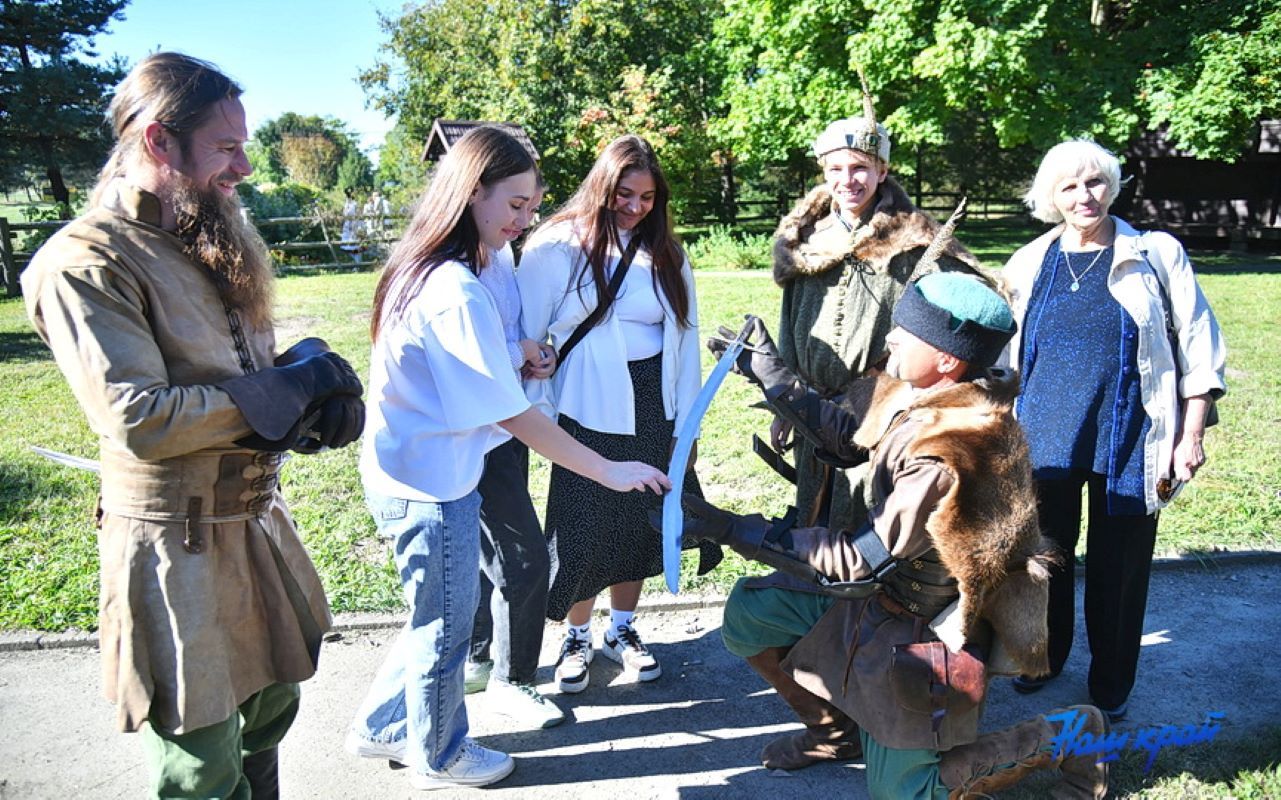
x=591, y=213
x=441, y=229
x=182, y=93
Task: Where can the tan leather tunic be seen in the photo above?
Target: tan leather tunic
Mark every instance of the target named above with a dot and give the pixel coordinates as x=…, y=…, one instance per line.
x=207, y=593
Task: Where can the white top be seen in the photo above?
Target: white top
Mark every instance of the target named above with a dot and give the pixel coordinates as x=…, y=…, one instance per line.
x=500, y=279
x=439, y=381
x=593, y=386
x=640, y=313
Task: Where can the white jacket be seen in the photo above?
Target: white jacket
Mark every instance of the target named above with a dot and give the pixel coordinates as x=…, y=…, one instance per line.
x=593, y=386
x=1141, y=263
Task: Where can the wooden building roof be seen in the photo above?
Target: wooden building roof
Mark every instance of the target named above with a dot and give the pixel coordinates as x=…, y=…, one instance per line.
x=445, y=132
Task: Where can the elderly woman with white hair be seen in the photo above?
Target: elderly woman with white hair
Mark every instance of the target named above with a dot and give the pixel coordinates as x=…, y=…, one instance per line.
x=1121, y=360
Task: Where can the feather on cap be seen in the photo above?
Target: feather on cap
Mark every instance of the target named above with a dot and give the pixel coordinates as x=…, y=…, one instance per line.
x=863, y=134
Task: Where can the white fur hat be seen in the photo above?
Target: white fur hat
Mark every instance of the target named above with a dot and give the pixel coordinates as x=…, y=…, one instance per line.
x=854, y=133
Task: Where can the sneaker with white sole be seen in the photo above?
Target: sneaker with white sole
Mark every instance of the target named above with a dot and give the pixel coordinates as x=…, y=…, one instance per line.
x=476, y=676
x=473, y=766
x=571, y=670
x=522, y=703
x=358, y=745
x=623, y=644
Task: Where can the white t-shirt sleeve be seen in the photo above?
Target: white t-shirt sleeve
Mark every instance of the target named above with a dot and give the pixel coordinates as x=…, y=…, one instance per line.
x=469, y=362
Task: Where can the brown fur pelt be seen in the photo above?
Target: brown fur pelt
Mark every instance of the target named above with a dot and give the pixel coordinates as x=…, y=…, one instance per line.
x=985, y=529
x=896, y=227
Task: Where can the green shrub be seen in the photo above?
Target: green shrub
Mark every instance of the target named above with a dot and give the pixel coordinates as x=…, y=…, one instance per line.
x=724, y=248
x=282, y=200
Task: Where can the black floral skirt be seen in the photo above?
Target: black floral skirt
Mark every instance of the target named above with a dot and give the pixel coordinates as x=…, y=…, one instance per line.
x=599, y=537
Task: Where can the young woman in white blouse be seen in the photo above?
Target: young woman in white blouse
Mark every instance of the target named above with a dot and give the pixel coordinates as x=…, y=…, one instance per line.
x=442, y=393
x=622, y=389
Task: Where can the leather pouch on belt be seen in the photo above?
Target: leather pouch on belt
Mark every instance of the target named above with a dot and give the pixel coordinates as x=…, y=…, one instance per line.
x=923, y=674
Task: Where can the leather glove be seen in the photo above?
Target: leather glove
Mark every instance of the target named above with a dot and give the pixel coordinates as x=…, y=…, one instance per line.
x=705, y=522
x=336, y=423
x=759, y=360
x=276, y=401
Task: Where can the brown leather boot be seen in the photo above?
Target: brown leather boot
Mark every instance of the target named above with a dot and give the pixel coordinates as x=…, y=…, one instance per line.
x=829, y=734
x=999, y=760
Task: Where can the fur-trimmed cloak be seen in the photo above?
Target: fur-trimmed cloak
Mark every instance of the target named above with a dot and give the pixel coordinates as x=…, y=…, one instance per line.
x=961, y=457
x=839, y=292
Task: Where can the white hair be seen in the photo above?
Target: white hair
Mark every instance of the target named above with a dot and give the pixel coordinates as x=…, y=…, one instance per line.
x=1065, y=160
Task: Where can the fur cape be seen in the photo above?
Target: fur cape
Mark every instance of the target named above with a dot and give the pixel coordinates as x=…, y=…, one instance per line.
x=985, y=529
x=896, y=227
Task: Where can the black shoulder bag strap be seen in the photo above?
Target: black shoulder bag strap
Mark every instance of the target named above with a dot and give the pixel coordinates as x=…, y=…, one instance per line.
x=615, y=281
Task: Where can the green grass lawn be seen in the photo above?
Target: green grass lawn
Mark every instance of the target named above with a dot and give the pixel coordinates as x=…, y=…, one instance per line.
x=48, y=577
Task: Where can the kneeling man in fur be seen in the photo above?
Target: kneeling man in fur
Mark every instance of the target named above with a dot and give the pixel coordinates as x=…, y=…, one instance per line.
x=882, y=639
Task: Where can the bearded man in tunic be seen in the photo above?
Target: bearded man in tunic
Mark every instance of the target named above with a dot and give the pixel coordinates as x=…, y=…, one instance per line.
x=156, y=304
x=843, y=257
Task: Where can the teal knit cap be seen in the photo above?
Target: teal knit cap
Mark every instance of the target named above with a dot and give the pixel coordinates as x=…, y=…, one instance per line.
x=958, y=314
x=966, y=298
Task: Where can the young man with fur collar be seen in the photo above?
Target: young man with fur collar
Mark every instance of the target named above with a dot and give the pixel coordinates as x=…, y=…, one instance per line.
x=881, y=638
x=843, y=256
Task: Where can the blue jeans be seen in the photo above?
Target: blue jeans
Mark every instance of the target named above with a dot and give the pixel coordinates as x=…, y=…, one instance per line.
x=418, y=692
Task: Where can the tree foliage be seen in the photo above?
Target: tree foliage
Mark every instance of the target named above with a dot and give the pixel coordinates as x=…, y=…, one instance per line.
x=51, y=101
x=554, y=68
x=994, y=82
x=315, y=151
x=973, y=91
x=401, y=171
x=1211, y=83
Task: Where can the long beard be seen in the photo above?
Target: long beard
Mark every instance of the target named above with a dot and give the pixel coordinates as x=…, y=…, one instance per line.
x=215, y=234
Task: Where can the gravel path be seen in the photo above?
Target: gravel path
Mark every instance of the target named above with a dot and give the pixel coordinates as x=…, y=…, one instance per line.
x=1211, y=646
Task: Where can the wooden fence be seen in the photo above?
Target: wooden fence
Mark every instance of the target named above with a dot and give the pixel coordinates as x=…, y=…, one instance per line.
x=332, y=252
x=335, y=253
x=940, y=204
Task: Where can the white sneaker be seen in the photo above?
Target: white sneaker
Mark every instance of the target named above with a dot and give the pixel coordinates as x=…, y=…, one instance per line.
x=358, y=745
x=476, y=676
x=623, y=644
x=571, y=670
x=523, y=703
x=474, y=766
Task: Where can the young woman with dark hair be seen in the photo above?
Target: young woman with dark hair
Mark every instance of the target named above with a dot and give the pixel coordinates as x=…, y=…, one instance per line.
x=626, y=384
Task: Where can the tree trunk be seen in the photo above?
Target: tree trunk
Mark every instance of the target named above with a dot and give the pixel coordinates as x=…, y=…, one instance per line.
x=59, y=191
x=57, y=187
x=729, y=191
x=1100, y=13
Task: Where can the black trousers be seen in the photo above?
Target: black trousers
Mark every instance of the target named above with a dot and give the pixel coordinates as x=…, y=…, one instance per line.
x=1118, y=562
x=515, y=568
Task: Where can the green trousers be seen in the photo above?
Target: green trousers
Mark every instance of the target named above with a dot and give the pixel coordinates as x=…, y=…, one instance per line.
x=207, y=762
x=770, y=617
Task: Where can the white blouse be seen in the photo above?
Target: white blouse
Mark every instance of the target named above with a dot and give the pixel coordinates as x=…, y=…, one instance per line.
x=440, y=380
x=593, y=386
